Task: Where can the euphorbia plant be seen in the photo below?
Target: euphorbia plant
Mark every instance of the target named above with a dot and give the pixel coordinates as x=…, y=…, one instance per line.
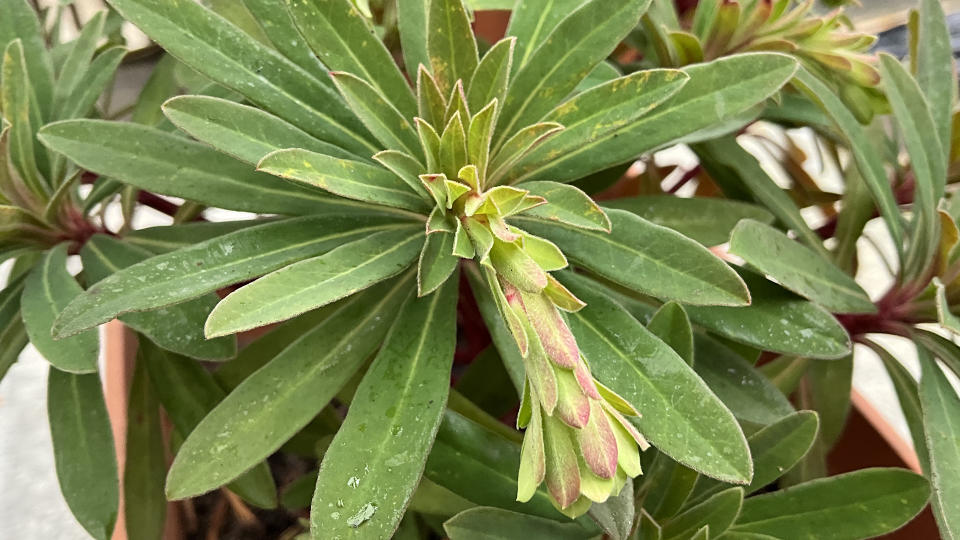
x=404, y=196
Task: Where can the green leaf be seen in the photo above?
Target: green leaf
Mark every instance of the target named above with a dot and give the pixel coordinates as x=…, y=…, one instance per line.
x=724, y=157
x=706, y=220
x=48, y=289
x=745, y=391
x=437, y=262
x=567, y=204
x=245, y=254
x=481, y=466
x=388, y=124
x=668, y=485
x=451, y=47
x=648, y=258
x=716, y=92
x=486, y=523
x=860, y=504
x=500, y=334
x=671, y=324
x=798, y=268
x=775, y=449
x=864, y=151
x=607, y=108
x=680, y=415
x=412, y=26
x=718, y=513
x=83, y=450
x=532, y=22
x=309, y=284
x=13, y=335
x=940, y=406
x=375, y=461
x=347, y=178
x=145, y=468
x=568, y=54
x=277, y=23
x=345, y=41
x=617, y=515
x=828, y=390
x=490, y=79
x=778, y=321
x=244, y=132
x=934, y=54
x=168, y=164
x=908, y=396
x=167, y=238
x=15, y=105
x=913, y=117
x=188, y=393
x=209, y=44
x=20, y=21
x=96, y=79
x=297, y=384
x=77, y=61
x=178, y=328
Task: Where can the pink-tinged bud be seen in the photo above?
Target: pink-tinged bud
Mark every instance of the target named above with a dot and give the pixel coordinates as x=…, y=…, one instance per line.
x=542, y=377
x=554, y=334
x=585, y=380
x=562, y=470
x=598, y=444
x=573, y=406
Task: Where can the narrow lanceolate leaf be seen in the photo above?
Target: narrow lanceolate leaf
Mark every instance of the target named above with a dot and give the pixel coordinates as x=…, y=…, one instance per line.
x=451, y=47
x=706, y=220
x=481, y=466
x=167, y=238
x=862, y=504
x=177, y=328
x=13, y=336
x=775, y=450
x=95, y=80
x=436, y=263
x=375, y=461
x=913, y=116
x=345, y=41
x=316, y=282
x=20, y=21
x=74, y=65
x=608, y=107
x=83, y=450
x=748, y=394
x=567, y=204
x=798, y=268
x=648, y=258
x=490, y=79
x=246, y=133
x=145, y=506
x=908, y=396
x=718, y=513
x=864, y=152
x=48, y=290
x=298, y=383
x=245, y=254
x=941, y=426
x=577, y=44
x=188, y=393
x=724, y=157
x=412, y=25
x=345, y=177
x=617, y=516
x=168, y=164
x=388, y=124
x=934, y=54
x=776, y=320
x=716, y=92
x=681, y=416
x=15, y=105
x=277, y=23
x=224, y=53
x=488, y=523
x=532, y=22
